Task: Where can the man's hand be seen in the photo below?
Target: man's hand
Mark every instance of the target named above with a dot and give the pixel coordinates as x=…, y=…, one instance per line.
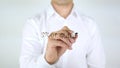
x=58, y=43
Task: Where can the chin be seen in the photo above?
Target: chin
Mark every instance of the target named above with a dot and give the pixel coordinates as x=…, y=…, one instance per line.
x=63, y=2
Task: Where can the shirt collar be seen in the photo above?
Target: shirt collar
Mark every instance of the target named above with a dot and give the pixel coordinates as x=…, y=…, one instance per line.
x=50, y=11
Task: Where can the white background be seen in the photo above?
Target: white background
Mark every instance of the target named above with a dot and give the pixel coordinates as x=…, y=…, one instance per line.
x=13, y=14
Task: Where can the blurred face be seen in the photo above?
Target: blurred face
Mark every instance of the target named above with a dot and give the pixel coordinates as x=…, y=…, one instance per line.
x=62, y=2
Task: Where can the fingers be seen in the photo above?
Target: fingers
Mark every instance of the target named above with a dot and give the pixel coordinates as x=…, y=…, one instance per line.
x=61, y=35
x=65, y=40
x=64, y=35
x=59, y=43
x=65, y=28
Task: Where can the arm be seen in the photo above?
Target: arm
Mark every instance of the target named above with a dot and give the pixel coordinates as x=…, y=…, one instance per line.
x=95, y=55
x=32, y=48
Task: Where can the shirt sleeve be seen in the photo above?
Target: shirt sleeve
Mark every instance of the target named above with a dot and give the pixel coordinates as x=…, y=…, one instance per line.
x=95, y=54
x=32, y=55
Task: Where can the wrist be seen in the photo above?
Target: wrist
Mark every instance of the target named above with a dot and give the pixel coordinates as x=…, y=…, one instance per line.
x=50, y=59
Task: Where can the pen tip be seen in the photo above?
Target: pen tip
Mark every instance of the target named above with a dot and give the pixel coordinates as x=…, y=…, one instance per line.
x=76, y=33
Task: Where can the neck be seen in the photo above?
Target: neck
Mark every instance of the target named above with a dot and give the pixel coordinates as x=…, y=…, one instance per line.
x=63, y=10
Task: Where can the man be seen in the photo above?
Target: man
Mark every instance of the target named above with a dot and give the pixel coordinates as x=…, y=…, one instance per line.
x=49, y=40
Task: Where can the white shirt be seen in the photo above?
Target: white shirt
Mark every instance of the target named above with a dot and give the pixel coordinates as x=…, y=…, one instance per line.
x=87, y=51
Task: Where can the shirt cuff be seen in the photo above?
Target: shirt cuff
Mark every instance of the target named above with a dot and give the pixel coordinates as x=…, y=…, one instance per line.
x=42, y=63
